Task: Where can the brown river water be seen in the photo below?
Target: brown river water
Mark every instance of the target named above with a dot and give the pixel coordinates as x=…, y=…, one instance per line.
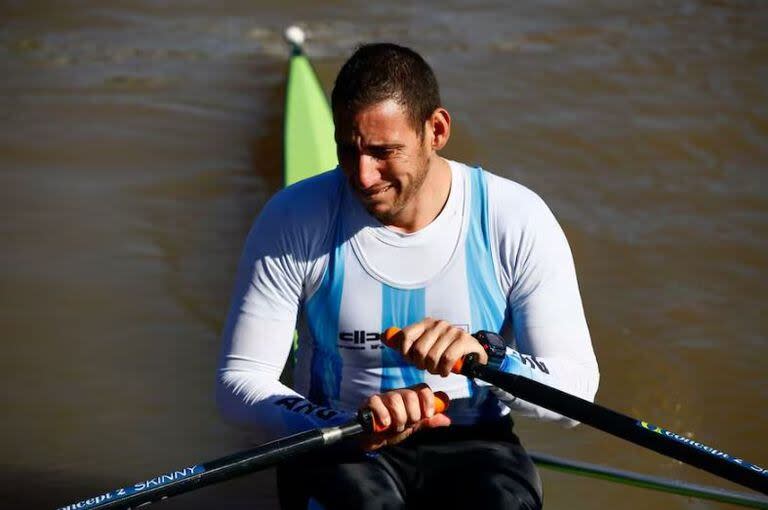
x=139, y=139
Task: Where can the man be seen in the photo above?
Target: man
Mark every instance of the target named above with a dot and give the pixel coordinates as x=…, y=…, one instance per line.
x=399, y=236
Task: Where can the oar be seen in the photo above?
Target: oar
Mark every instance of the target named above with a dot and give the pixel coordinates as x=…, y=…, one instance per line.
x=644, y=481
x=633, y=430
x=193, y=477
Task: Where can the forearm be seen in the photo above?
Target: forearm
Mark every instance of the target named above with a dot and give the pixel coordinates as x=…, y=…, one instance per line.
x=578, y=377
x=248, y=390
x=267, y=407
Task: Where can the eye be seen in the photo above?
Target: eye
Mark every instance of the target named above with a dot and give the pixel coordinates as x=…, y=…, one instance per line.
x=380, y=152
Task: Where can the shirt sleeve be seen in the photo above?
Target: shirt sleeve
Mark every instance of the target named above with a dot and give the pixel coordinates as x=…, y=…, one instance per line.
x=275, y=268
x=551, y=341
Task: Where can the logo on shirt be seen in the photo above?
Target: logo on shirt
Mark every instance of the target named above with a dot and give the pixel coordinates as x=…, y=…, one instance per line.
x=360, y=340
x=528, y=359
x=303, y=406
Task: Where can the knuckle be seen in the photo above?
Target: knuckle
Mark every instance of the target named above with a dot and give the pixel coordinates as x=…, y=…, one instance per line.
x=454, y=351
x=413, y=408
x=408, y=409
x=388, y=399
x=421, y=351
x=400, y=416
x=410, y=397
x=432, y=360
x=449, y=358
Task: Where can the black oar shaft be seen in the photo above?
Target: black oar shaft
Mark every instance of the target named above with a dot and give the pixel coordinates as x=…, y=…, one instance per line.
x=633, y=430
x=224, y=468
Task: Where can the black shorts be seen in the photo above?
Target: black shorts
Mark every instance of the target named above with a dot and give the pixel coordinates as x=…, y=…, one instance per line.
x=480, y=466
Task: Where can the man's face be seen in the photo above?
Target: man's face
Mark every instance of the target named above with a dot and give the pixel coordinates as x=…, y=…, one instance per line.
x=384, y=158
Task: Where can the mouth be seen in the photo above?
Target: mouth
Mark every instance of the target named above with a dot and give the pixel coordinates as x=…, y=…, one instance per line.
x=370, y=194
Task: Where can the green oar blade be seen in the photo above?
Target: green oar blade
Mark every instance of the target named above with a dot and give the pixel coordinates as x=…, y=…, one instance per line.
x=309, y=144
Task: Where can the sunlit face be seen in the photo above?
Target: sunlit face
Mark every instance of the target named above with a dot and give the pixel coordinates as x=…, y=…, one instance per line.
x=384, y=158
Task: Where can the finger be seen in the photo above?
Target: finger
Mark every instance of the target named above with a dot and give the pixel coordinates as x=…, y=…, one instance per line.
x=422, y=345
x=412, y=332
x=381, y=415
x=412, y=406
x=426, y=400
x=438, y=420
x=388, y=437
x=436, y=353
x=396, y=407
x=467, y=344
x=402, y=436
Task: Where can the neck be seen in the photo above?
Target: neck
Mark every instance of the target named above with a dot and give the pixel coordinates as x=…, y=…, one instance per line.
x=429, y=200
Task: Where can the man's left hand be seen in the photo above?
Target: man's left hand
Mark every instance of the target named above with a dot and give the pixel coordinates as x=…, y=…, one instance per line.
x=436, y=345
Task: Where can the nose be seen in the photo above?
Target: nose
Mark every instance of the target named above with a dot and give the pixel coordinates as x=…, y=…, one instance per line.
x=367, y=171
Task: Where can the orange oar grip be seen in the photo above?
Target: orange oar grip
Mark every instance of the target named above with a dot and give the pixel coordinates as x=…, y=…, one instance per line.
x=393, y=337
x=441, y=403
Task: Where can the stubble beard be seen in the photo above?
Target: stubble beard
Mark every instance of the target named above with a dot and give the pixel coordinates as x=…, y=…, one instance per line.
x=406, y=196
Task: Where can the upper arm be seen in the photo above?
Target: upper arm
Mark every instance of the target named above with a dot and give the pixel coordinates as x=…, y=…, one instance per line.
x=285, y=248
x=269, y=276
x=282, y=256
x=543, y=298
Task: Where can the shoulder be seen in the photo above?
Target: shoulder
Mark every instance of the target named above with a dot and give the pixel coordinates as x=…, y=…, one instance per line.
x=522, y=228
x=313, y=197
x=304, y=206
x=297, y=221
x=509, y=203
x=512, y=201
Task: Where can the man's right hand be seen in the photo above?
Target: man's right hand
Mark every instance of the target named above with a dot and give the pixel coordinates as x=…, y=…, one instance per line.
x=403, y=412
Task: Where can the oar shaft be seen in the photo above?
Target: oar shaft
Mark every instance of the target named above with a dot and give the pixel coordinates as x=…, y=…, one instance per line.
x=644, y=481
x=224, y=468
x=261, y=457
x=633, y=430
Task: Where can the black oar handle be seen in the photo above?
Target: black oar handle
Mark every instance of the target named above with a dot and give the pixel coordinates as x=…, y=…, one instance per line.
x=636, y=431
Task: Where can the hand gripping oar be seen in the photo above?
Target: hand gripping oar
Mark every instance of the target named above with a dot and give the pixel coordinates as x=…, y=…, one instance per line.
x=633, y=430
x=189, y=478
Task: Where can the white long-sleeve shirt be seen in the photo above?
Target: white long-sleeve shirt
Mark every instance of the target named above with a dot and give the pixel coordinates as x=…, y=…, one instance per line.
x=495, y=258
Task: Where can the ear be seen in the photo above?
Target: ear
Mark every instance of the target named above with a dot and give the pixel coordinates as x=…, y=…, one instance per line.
x=439, y=126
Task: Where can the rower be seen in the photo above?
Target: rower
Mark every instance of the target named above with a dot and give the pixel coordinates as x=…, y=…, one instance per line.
x=397, y=235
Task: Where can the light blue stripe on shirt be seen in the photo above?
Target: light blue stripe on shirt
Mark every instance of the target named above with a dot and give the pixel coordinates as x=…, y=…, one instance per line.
x=400, y=307
x=323, y=311
x=486, y=300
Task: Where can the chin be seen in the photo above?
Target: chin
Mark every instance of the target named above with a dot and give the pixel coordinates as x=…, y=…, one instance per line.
x=379, y=211
x=383, y=208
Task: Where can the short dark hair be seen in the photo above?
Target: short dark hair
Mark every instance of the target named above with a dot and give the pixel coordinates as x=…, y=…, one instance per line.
x=381, y=71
